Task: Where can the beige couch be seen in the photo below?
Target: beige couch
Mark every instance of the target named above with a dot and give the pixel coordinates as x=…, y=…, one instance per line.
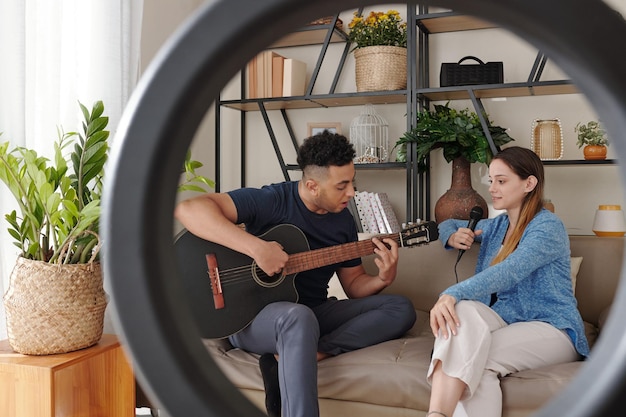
x=389, y=379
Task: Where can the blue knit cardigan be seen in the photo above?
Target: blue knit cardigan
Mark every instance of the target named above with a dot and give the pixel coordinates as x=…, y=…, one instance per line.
x=533, y=283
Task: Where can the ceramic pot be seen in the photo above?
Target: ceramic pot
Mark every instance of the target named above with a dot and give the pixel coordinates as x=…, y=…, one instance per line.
x=459, y=200
x=594, y=152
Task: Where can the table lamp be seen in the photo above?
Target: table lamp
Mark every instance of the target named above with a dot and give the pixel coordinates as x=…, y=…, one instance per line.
x=609, y=221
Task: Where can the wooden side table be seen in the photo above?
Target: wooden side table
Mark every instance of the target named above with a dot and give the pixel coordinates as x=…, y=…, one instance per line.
x=94, y=382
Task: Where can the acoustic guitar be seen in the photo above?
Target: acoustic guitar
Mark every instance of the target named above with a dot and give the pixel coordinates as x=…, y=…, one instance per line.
x=240, y=289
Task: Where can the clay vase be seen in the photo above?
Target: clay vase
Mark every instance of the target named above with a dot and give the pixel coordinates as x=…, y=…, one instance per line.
x=594, y=152
x=459, y=200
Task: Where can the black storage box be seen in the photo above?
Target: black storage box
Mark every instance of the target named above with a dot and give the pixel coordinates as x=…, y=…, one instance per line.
x=454, y=74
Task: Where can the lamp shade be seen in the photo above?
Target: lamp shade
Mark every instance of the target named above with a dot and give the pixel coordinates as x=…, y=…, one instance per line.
x=609, y=221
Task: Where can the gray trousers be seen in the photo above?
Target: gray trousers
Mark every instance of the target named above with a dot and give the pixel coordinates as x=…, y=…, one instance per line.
x=296, y=333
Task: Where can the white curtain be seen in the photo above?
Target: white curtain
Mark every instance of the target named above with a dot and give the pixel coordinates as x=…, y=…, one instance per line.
x=54, y=54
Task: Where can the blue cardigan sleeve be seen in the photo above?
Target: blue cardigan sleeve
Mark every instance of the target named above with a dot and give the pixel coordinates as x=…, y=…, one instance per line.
x=544, y=241
x=448, y=227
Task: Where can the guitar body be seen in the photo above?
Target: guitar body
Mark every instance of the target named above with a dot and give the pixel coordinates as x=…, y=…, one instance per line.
x=246, y=290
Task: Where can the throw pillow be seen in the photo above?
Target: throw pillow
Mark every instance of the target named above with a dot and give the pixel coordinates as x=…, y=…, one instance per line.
x=575, y=262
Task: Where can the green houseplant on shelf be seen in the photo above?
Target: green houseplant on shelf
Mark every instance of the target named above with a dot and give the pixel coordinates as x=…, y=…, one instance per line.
x=55, y=302
x=593, y=139
x=460, y=135
x=380, y=50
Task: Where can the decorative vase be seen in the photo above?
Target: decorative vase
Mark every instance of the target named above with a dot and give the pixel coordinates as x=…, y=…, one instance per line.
x=54, y=308
x=380, y=68
x=459, y=200
x=594, y=152
x=547, y=139
x=609, y=221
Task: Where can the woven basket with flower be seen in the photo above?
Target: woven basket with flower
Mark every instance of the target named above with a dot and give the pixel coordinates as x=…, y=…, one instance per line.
x=380, y=50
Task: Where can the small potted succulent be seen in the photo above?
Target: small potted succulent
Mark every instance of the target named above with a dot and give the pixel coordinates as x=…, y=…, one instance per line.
x=592, y=137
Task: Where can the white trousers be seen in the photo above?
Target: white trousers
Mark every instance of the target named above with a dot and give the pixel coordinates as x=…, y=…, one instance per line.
x=486, y=348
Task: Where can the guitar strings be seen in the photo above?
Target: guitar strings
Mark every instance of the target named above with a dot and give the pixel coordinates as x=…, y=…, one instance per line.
x=239, y=275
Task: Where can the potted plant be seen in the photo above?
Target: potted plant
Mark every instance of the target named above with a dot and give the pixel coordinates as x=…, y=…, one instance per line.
x=55, y=302
x=594, y=139
x=460, y=135
x=380, y=50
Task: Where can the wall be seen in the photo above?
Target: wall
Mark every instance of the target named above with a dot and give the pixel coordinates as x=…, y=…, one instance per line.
x=161, y=19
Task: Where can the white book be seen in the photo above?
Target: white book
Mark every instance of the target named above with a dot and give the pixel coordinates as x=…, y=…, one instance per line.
x=389, y=216
x=368, y=221
x=294, y=77
x=378, y=215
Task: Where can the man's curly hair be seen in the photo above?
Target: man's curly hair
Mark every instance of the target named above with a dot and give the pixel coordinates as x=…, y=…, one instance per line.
x=325, y=149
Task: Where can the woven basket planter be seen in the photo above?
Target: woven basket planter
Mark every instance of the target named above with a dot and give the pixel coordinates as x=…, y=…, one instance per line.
x=380, y=68
x=54, y=308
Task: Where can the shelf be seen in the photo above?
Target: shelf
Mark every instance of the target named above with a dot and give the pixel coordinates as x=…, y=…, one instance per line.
x=581, y=162
x=450, y=22
x=310, y=35
x=382, y=166
x=319, y=101
x=484, y=91
x=399, y=96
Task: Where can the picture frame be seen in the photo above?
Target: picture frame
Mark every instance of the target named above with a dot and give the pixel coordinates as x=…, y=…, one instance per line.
x=313, y=128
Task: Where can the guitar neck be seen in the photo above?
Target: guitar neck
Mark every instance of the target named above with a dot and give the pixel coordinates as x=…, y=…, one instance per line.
x=318, y=258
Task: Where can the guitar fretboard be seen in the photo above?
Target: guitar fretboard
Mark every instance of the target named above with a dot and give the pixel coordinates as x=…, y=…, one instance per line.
x=318, y=258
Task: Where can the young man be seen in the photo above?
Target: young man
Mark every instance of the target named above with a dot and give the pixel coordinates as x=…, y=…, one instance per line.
x=300, y=334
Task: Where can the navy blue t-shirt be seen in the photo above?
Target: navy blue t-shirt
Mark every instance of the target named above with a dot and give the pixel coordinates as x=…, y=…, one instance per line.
x=260, y=209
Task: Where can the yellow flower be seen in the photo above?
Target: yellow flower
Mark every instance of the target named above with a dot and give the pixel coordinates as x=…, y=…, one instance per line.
x=378, y=28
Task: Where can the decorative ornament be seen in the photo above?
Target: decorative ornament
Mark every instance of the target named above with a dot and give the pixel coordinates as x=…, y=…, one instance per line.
x=547, y=139
x=369, y=133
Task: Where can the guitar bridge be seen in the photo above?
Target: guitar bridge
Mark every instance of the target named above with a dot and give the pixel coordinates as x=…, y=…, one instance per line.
x=216, y=284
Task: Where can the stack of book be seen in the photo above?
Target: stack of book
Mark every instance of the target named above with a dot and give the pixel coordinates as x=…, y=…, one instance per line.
x=373, y=213
x=272, y=75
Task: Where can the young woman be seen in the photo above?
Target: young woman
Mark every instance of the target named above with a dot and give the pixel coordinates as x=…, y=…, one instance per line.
x=518, y=311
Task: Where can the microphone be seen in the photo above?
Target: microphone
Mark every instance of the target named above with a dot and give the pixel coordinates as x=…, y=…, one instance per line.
x=475, y=214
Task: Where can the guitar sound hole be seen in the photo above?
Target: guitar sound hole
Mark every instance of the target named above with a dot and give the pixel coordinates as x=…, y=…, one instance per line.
x=265, y=280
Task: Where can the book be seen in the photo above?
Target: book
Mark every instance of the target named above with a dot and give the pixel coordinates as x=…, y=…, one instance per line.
x=365, y=213
x=278, y=62
x=355, y=214
x=389, y=216
x=378, y=215
x=294, y=77
x=265, y=75
x=252, y=78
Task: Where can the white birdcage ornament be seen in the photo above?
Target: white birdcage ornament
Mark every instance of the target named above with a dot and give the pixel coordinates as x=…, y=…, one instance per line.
x=369, y=133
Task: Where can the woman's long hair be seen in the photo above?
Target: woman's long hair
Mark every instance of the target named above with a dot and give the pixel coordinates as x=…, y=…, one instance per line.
x=524, y=163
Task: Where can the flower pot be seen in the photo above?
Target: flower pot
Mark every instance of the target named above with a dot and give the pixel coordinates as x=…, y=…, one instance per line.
x=53, y=308
x=459, y=200
x=380, y=68
x=594, y=152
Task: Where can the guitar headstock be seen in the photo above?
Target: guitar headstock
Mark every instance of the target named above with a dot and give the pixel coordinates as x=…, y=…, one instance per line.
x=419, y=233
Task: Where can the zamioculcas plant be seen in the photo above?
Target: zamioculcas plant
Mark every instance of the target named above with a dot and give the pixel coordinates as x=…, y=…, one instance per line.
x=59, y=203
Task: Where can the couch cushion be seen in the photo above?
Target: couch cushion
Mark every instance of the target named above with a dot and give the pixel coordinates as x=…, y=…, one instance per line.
x=394, y=374
x=390, y=373
x=575, y=262
x=533, y=388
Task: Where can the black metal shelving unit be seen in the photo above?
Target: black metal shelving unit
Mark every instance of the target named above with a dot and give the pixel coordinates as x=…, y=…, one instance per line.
x=418, y=95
